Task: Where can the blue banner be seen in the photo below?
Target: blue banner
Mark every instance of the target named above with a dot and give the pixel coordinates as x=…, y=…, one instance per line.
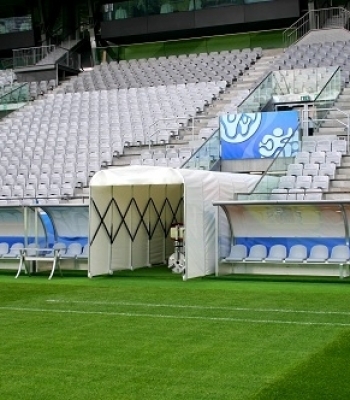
x=259, y=135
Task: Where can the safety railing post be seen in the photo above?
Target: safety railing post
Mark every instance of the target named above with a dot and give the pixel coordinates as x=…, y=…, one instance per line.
x=348, y=130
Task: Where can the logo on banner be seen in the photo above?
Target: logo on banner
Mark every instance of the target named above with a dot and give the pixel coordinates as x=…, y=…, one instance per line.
x=259, y=135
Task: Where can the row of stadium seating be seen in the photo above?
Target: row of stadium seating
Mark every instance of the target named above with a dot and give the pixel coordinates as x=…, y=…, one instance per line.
x=317, y=55
x=304, y=182
x=319, y=157
x=321, y=169
x=223, y=66
x=325, y=145
x=60, y=141
x=73, y=250
x=7, y=77
x=302, y=187
x=297, y=194
x=9, y=83
x=339, y=254
x=309, y=176
x=174, y=162
x=63, y=139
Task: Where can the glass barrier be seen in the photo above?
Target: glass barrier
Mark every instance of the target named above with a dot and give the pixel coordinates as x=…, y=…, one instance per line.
x=260, y=96
x=304, y=84
x=326, y=97
x=278, y=167
x=6, y=63
x=16, y=24
x=296, y=85
x=11, y=96
x=137, y=8
x=207, y=155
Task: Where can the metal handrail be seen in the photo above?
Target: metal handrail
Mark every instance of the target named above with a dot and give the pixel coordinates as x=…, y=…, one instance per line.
x=176, y=119
x=200, y=148
x=266, y=172
x=314, y=19
x=256, y=88
x=305, y=117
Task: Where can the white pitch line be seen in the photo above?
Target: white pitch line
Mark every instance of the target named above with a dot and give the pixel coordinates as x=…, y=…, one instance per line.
x=273, y=310
x=140, y=315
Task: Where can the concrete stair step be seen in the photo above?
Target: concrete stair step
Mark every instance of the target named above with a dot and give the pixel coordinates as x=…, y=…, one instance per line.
x=345, y=166
x=337, y=196
x=342, y=177
x=343, y=184
x=331, y=131
x=253, y=72
x=261, y=67
x=337, y=114
x=252, y=77
x=344, y=97
x=344, y=169
x=318, y=137
x=335, y=122
x=342, y=105
x=244, y=85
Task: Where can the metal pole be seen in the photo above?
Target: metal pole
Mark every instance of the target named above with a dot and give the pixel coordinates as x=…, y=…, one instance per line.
x=193, y=127
x=348, y=130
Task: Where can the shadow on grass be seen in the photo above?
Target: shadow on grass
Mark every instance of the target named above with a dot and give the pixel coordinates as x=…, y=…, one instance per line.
x=280, y=278
x=159, y=271
x=325, y=375
x=162, y=272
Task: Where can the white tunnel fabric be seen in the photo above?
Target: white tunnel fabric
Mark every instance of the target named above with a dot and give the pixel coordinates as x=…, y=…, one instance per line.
x=133, y=208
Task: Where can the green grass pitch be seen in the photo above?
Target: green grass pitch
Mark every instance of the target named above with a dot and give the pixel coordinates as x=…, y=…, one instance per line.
x=148, y=335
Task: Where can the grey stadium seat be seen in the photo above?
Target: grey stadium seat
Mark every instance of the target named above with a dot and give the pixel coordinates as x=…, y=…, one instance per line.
x=4, y=248
x=340, y=145
x=318, y=253
x=311, y=169
x=318, y=157
x=313, y=194
x=278, y=194
x=238, y=253
x=296, y=194
x=340, y=254
x=295, y=169
x=334, y=157
x=303, y=182
x=303, y=157
x=297, y=254
x=327, y=170
x=309, y=146
x=324, y=145
x=277, y=253
x=257, y=252
x=287, y=182
x=320, y=182
x=73, y=250
x=15, y=251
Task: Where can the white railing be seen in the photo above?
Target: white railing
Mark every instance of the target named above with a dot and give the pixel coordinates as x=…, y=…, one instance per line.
x=25, y=57
x=323, y=18
x=343, y=123
x=154, y=130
